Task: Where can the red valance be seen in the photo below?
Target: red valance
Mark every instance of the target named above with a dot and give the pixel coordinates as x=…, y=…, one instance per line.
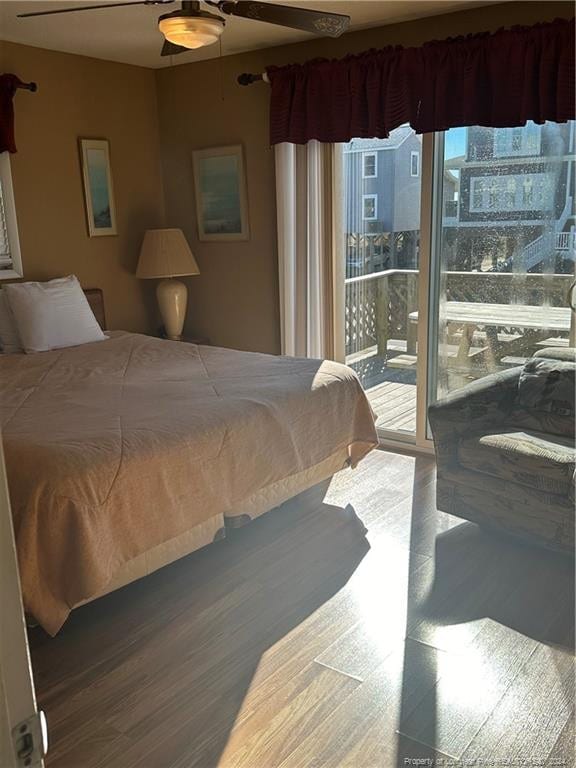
x=500, y=80
x=8, y=85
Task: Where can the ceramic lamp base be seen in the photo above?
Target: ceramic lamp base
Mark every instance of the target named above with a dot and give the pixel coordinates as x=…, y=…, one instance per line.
x=172, y=298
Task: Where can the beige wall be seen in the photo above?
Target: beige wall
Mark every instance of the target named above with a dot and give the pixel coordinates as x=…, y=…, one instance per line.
x=235, y=299
x=82, y=97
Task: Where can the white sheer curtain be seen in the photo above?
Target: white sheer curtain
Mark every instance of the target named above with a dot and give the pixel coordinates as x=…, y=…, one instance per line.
x=308, y=265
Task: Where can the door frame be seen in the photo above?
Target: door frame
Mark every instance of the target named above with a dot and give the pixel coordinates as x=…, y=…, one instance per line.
x=338, y=255
x=431, y=192
x=18, y=707
x=429, y=211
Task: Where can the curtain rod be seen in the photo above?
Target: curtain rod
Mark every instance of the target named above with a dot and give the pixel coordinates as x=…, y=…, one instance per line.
x=247, y=79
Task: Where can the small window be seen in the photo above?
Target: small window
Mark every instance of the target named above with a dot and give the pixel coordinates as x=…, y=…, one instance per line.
x=510, y=142
x=516, y=140
x=478, y=189
x=370, y=165
x=10, y=263
x=494, y=187
x=510, y=194
x=528, y=193
x=414, y=163
x=370, y=207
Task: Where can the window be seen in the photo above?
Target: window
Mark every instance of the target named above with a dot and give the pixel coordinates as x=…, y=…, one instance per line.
x=414, y=163
x=528, y=192
x=369, y=165
x=509, y=196
x=509, y=142
x=477, y=193
x=10, y=263
x=518, y=192
x=369, y=207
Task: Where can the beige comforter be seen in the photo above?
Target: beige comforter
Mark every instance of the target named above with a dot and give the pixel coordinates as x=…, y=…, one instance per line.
x=115, y=447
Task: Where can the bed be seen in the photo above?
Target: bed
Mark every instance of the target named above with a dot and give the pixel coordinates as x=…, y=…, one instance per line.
x=126, y=454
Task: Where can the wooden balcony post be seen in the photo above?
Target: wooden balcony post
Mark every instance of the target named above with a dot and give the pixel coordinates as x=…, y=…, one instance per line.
x=382, y=301
x=411, y=306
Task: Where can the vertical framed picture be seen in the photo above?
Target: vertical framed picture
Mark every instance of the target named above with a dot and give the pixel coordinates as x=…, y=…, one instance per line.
x=98, y=189
x=220, y=189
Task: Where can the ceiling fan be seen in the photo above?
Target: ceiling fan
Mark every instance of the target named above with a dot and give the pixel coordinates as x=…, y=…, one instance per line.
x=192, y=27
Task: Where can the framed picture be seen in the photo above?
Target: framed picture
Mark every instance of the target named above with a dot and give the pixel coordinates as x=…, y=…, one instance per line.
x=98, y=190
x=221, y=200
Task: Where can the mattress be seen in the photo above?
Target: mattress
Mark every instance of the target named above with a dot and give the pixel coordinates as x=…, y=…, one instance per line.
x=128, y=451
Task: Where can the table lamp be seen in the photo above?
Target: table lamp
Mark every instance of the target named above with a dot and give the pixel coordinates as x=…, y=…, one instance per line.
x=166, y=254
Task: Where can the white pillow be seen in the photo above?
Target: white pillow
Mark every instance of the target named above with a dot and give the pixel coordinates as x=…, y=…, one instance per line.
x=52, y=315
x=9, y=338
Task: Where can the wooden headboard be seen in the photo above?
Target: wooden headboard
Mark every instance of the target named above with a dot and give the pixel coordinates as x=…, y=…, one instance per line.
x=95, y=298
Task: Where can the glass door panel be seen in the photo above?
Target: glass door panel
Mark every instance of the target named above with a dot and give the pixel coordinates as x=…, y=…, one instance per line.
x=381, y=223
x=503, y=255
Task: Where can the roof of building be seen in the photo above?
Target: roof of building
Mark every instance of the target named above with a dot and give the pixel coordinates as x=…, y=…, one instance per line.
x=396, y=138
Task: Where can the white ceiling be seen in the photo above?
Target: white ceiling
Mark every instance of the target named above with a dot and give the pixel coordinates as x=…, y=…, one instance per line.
x=130, y=35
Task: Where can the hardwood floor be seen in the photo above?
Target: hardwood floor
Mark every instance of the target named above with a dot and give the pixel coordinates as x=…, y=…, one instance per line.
x=301, y=642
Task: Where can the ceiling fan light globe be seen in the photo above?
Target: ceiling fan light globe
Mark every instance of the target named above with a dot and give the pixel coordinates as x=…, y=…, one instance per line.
x=191, y=32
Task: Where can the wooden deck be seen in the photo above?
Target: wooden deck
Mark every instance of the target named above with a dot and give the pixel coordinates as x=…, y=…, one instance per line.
x=390, y=385
x=395, y=405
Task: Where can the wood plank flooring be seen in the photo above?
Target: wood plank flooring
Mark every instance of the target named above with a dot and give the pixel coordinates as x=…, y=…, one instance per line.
x=302, y=642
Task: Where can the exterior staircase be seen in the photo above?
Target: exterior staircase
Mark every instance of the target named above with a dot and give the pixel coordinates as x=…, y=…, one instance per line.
x=552, y=239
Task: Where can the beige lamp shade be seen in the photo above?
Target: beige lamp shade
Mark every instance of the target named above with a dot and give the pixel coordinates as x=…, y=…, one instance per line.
x=165, y=253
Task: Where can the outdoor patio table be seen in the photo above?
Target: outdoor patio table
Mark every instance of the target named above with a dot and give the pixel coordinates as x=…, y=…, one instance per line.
x=473, y=315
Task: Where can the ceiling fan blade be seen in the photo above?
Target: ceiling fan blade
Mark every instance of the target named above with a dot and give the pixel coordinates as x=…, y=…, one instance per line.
x=170, y=49
x=92, y=8
x=318, y=22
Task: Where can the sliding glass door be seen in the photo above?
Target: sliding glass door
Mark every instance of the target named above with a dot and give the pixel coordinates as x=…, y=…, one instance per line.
x=458, y=253
x=502, y=250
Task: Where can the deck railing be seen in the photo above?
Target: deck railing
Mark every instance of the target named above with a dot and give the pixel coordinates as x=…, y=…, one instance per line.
x=378, y=304
x=566, y=241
